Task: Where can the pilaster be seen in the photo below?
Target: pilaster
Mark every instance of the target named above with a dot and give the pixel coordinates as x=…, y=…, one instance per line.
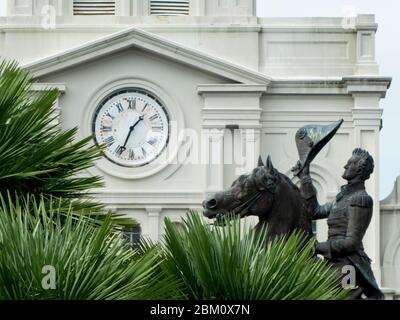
x=367, y=120
x=366, y=29
x=228, y=108
x=154, y=222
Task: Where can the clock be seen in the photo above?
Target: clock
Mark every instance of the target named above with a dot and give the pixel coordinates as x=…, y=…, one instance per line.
x=133, y=125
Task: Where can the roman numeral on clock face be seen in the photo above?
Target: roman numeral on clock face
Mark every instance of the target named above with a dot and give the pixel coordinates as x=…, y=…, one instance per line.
x=132, y=103
x=145, y=106
x=108, y=114
x=131, y=154
x=157, y=128
x=153, y=117
x=144, y=152
x=152, y=141
x=120, y=150
x=120, y=107
x=106, y=129
x=109, y=141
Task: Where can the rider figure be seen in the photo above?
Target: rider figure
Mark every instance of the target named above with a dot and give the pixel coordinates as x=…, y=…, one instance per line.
x=348, y=219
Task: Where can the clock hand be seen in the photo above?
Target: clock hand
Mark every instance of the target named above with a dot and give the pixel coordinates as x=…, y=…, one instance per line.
x=130, y=131
x=137, y=122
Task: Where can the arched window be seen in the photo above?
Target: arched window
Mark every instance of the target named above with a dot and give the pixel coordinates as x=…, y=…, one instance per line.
x=94, y=7
x=169, y=8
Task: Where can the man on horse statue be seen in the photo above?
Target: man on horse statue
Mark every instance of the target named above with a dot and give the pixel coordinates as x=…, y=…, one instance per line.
x=349, y=215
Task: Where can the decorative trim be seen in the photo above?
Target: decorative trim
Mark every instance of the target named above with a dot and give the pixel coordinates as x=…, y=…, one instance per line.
x=49, y=86
x=175, y=114
x=368, y=84
x=319, y=25
x=164, y=198
x=149, y=42
x=389, y=208
x=231, y=88
x=330, y=86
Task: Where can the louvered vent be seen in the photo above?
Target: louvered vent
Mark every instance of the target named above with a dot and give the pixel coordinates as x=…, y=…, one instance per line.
x=169, y=8
x=94, y=8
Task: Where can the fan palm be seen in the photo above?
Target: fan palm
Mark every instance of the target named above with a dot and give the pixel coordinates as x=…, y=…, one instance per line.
x=217, y=262
x=89, y=261
x=36, y=156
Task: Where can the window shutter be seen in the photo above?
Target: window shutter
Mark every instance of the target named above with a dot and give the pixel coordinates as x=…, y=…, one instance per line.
x=169, y=8
x=92, y=8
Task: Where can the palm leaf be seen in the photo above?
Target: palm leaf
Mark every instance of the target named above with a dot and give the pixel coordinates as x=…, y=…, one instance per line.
x=232, y=263
x=91, y=262
x=36, y=156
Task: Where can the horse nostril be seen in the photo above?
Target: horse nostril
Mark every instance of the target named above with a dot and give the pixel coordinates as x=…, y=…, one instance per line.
x=211, y=204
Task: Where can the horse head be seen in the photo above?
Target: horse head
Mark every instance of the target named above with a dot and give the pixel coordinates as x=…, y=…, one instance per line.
x=265, y=193
x=250, y=194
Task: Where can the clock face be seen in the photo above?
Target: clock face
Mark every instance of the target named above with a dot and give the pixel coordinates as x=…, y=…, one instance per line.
x=133, y=125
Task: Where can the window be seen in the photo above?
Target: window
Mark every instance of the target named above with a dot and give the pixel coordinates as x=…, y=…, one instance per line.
x=169, y=8
x=93, y=8
x=132, y=235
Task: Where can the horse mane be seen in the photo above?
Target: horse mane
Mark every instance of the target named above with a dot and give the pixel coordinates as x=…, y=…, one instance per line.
x=260, y=179
x=293, y=186
x=289, y=181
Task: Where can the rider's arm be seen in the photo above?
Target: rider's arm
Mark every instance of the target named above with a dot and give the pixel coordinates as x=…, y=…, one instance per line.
x=309, y=193
x=360, y=214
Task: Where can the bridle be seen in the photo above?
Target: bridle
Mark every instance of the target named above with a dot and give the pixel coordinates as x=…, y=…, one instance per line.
x=243, y=207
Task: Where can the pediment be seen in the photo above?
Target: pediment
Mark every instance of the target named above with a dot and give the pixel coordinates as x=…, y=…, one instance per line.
x=134, y=37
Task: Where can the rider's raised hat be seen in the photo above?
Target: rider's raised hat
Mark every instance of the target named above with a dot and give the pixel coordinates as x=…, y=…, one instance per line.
x=310, y=139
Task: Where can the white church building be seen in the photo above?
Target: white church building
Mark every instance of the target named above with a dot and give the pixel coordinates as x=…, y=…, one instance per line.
x=217, y=85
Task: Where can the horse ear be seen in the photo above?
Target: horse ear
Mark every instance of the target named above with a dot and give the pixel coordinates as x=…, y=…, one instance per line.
x=260, y=162
x=268, y=164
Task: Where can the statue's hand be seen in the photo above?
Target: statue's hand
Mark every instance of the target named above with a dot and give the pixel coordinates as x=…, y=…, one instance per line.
x=301, y=173
x=296, y=168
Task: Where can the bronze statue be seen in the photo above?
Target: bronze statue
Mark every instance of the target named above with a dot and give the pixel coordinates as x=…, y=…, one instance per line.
x=265, y=193
x=348, y=217
x=284, y=207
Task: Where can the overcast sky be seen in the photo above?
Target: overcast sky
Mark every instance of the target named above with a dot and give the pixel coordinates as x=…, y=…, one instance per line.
x=388, y=57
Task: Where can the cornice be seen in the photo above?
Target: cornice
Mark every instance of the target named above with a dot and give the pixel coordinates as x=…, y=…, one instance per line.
x=328, y=86
x=134, y=37
x=231, y=88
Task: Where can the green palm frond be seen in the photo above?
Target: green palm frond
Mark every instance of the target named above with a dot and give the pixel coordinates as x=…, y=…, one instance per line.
x=36, y=156
x=90, y=261
x=231, y=262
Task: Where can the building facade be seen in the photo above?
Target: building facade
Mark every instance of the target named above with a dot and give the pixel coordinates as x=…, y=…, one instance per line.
x=226, y=86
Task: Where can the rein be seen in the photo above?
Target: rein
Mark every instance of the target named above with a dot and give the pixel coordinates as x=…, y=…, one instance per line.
x=243, y=207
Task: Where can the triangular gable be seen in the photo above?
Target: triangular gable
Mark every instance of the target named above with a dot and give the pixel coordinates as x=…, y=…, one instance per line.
x=134, y=37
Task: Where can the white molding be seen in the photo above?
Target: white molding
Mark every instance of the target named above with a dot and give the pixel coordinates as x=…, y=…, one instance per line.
x=134, y=37
x=318, y=24
x=368, y=84
x=330, y=85
x=49, y=86
x=230, y=88
x=175, y=114
x=385, y=208
x=164, y=198
x=36, y=27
